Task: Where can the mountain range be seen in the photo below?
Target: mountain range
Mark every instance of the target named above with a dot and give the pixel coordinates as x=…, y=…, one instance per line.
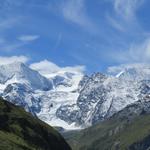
x=71, y=99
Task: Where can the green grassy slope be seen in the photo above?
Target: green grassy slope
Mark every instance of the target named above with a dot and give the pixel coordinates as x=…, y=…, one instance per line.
x=19, y=130
x=117, y=133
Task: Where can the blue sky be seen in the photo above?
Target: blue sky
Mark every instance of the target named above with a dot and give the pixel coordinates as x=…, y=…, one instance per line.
x=93, y=33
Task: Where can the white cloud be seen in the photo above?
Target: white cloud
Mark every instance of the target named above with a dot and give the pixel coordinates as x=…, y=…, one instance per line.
x=28, y=38
x=8, y=60
x=46, y=67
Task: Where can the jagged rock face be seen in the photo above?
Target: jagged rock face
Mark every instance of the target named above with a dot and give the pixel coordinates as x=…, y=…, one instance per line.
x=70, y=99
x=136, y=109
x=69, y=113
x=89, y=103
x=22, y=95
x=102, y=96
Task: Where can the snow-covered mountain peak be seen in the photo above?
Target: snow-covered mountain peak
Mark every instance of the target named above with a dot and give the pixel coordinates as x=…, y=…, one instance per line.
x=136, y=74
x=131, y=72
x=18, y=72
x=12, y=67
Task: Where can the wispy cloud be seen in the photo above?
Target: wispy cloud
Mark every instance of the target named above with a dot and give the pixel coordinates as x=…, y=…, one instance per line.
x=75, y=11
x=28, y=38
x=115, y=23
x=9, y=45
x=124, y=15
x=127, y=8
x=136, y=53
x=8, y=60
x=141, y=52
x=7, y=22
x=58, y=41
